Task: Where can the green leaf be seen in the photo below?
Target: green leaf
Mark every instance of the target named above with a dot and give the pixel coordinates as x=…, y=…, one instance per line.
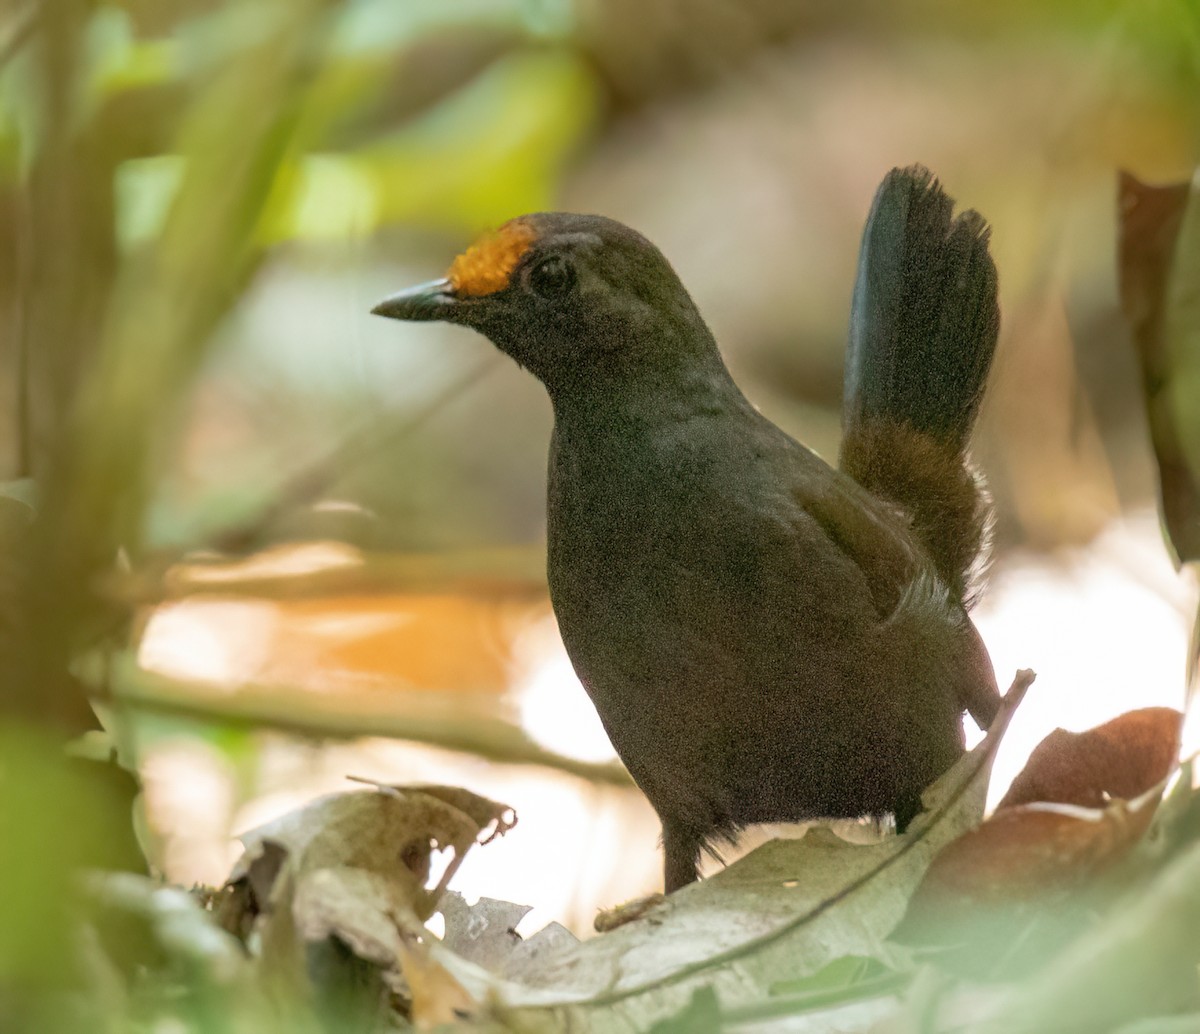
x=839, y=975
x=145, y=190
x=702, y=1015
x=23, y=490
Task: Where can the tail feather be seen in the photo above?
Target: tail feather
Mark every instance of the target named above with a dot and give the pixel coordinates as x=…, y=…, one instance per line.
x=923, y=331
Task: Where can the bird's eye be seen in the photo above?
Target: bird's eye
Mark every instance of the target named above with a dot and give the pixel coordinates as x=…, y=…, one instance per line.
x=552, y=278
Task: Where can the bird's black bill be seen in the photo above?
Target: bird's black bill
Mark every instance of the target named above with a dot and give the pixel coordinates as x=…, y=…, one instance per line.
x=432, y=301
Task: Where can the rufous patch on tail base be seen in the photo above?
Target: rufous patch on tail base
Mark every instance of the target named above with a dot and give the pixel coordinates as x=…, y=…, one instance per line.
x=485, y=267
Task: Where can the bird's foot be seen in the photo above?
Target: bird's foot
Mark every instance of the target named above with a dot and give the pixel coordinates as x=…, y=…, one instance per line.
x=610, y=918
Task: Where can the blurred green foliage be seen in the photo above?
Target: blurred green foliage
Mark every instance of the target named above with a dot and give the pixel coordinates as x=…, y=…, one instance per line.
x=146, y=173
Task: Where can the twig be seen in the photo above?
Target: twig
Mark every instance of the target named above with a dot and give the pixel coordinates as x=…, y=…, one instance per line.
x=332, y=718
x=509, y=572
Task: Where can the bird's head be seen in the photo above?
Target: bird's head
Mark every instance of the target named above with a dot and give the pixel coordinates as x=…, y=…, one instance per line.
x=576, y=299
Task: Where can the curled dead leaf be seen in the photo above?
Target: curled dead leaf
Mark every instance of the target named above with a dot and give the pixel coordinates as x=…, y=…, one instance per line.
x=373, y=832
x=493, y=820
x=344, y=882
x=1119, y=759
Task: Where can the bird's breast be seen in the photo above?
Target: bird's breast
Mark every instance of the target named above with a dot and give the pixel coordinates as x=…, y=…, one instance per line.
x=661, y=557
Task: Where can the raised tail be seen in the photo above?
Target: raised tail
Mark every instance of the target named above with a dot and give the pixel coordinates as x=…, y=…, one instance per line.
x=923, y=330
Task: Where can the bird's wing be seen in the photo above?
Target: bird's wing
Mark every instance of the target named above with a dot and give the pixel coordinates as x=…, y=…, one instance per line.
x=908, y=594
x=871, y=534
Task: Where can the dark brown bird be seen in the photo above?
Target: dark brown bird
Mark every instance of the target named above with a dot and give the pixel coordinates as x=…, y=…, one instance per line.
x=765, y=638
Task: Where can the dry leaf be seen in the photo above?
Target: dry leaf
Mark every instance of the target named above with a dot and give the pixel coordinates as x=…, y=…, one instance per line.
x=1082, y=802
x=485, y=932
x=1119, y=759
x=370, y=831
x=1150, y=222
x=350, y=870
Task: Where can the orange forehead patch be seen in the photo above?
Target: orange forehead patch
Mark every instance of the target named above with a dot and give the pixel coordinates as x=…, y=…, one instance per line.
x=486, y=265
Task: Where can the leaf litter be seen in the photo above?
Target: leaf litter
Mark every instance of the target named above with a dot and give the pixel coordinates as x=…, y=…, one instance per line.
x=799, y=928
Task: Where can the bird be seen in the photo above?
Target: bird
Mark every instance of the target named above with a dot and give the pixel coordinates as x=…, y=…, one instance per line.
x=766, y=637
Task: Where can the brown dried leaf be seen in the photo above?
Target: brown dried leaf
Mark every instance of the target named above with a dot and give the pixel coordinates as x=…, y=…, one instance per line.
x=1028, y=854
x=491, y=819
x=1082, y=802
x=370, y=831
x=1119, y=759
x=1150, y=222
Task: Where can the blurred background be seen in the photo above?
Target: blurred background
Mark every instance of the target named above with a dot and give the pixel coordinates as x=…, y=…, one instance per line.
x=329, y=528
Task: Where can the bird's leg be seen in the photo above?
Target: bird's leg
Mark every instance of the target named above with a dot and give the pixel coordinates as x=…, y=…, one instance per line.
x=907, y=808
x=609, y=919
x=681, y=848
